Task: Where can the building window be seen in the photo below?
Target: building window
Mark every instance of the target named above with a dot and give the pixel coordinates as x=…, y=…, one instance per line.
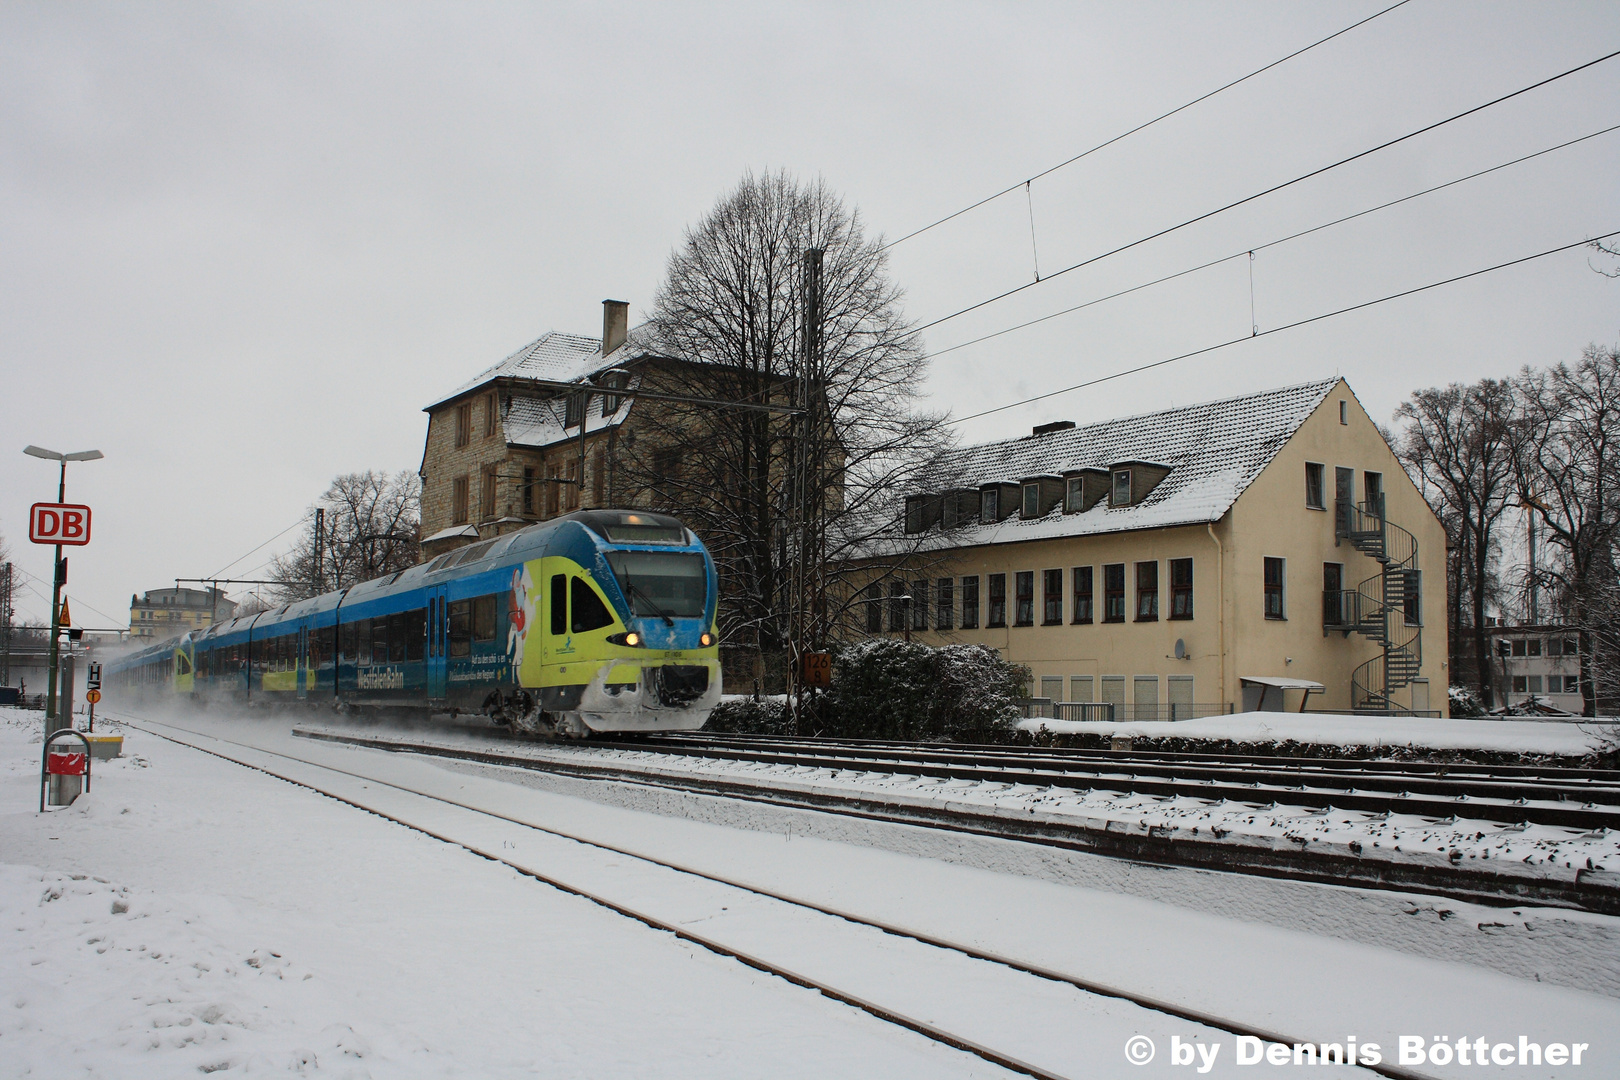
x=919, y=605
x=1082, y=594
x=1025, y=584
x=970, y=603
x=874, y=608
x=1333, y=594
x=1315, y=479
x=1051, y=597
x=573, y=407
x=1344, y=412
x=944, y=604
x=997, y=615
x=1181, y=593
x=897, y=606
x=1147, y=591
x=1121, y=495
x=1274, y=589
x=1074, y=500
x=1519, y=684
x=486, y=505
x=490, y=415
x=1032, y=500
x=458, y=500
x=989, y=504
x=1114, y=592
x=1535, y=684
x=463, y=423
x=1373, y=485
x=1532, y=646
x=1412, y=597
x=530, y=477
x=1518, y=646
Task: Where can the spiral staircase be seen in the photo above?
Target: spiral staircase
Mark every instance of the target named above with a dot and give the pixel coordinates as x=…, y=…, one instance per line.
x=1377, y=608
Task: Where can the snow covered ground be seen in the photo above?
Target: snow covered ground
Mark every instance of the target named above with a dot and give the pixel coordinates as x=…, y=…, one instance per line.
x=191, y=915
x=1568, y=737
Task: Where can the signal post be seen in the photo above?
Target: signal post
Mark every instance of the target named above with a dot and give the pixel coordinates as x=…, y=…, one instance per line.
x=58, y=524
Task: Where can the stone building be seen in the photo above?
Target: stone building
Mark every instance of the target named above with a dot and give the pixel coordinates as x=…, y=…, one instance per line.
x=1241, y=554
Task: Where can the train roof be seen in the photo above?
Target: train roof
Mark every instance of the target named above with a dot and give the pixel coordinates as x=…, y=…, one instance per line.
x=626, y=527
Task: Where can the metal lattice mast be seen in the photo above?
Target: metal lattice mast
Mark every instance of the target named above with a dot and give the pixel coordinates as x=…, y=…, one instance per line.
x=809, y=503
x=6, y=573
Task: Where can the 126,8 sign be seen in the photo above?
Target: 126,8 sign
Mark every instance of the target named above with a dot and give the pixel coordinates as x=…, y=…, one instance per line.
x=59, y=523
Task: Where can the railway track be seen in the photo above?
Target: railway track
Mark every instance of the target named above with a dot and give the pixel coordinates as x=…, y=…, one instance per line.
x=1572, y=798
x=1481, y=797
x=338, y=783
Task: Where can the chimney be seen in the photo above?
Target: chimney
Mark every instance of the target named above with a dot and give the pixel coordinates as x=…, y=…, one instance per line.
x=615, y=324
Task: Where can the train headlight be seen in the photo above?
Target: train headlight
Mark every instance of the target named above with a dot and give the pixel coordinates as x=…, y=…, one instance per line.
x=629, y=637
x=706, y=640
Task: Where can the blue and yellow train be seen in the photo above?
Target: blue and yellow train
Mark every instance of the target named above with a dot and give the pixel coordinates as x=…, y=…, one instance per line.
x=600, y=621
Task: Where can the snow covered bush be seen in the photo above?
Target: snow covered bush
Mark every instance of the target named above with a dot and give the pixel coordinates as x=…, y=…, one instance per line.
x=771, y=715
x=887, y=689
x=1464, y=703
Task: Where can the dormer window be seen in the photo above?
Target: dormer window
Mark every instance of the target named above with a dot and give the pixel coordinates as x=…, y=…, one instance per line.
x=1122, y=488
x=1074, y=500
x=1032, y=500
x=989, y=505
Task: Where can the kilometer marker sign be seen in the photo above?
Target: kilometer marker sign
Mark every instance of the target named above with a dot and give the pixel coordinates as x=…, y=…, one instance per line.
x=59, y=523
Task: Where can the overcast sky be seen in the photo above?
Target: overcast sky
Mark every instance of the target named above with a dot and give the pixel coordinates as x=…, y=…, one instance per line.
x=243, y=244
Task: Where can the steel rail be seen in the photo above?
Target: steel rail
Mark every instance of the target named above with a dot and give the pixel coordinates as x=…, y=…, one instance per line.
x=929, y=1031
x=1439, y=780
x=1584, y=889
x=1414, y=768
x=1424, y=797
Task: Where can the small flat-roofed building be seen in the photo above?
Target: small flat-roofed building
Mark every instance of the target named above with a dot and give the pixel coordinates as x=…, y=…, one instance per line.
x=1250, y=553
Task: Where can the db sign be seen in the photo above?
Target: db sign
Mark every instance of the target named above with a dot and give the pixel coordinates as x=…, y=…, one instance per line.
x=59, y=523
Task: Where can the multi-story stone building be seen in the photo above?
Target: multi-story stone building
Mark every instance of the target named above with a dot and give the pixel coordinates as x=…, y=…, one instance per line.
x=166, y=613
x=1242, y=554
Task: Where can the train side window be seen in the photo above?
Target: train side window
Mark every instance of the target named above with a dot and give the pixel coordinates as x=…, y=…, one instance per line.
x=589, y=611
x=362, y=641
x=559, y=604
x=328, y=645
x=483, y=618
x=379, y=640
x=415, y=633
x=460, y=627
x=347, y=635
x=396, y=638
x=433, y=626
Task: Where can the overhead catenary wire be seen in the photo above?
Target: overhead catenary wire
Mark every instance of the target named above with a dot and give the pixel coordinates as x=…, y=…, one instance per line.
x=1287, y=326
x=221, y=571
x=1273, y=189
x=1142, y=126
x=1274, y=243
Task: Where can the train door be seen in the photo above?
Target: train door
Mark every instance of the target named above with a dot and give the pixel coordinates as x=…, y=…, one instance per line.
x=303, y=663
x=437, y=663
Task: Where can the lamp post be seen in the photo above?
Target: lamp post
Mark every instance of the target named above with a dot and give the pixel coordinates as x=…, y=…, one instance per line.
x=57, y=578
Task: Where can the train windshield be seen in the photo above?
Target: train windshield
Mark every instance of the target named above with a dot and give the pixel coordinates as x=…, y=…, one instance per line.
x=662, y=584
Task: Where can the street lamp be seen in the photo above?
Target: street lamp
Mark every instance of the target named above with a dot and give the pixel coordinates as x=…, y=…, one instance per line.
x=58, y=577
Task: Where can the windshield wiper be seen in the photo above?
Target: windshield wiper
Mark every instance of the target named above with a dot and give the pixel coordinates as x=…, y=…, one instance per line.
x=661, y=613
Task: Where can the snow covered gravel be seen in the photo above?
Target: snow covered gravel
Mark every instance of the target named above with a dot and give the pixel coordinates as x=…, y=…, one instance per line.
x=422, y=960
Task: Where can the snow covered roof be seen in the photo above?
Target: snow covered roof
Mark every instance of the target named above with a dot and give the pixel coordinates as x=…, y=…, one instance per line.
x=559, y=357
x=1213, y=451
x=533, y=421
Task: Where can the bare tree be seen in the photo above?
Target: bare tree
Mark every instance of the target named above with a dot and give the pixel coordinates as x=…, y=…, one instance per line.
x=729, y=313
x=372, y=527
x=1567, y=451
x=1457, y=446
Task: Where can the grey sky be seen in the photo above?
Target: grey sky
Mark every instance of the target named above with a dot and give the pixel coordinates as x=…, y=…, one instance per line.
x=243, y=244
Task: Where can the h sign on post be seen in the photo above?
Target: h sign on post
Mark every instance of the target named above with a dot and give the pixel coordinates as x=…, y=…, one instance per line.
x=59, y=523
